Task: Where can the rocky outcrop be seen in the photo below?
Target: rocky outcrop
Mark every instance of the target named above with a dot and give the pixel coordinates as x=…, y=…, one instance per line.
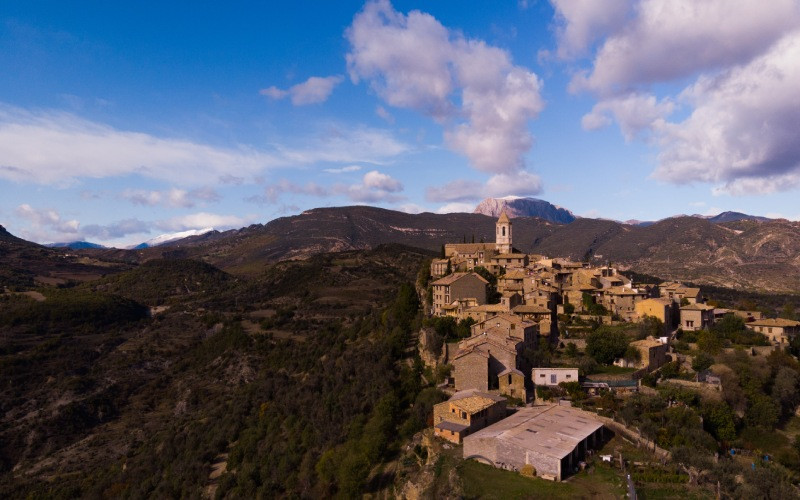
x=432, y=350
x=524, y=207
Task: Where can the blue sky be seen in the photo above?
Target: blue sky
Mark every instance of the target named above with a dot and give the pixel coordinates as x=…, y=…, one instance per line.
x=122, y=121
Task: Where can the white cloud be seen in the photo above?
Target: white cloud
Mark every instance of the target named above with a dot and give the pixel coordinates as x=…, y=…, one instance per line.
x=582, y=22
x=49, y=147
x=202, y=220
x=312, y=91
x=411, y=208
x=383, y=113
x=742, y=58
x=273, y=192
x=47, y=222
x=343, y=145
x=456, y=207
x=662, y=41
x=383, y=182
x=115, y=230
x=349, y=168
x=374, y=187
x=742, y=134
x=634, y=113
x=52, y=147
x=515, y=184
x=473, y=89
x=174, y=198
x=456, y=191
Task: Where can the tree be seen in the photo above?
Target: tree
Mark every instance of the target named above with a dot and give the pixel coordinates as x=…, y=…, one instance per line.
x=571, y=350
x=569, y=309
x=718, y=419
x=763, y=412
x=702, y=361
x=788, y=311
x=605, y=345
x=729, y=326
x=709, y=342
x=784, y=389
x=650, y=326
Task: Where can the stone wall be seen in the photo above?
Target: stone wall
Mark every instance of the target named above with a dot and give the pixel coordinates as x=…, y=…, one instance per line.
x=471, y=371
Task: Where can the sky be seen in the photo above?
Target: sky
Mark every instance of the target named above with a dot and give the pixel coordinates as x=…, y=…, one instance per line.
x=122, y=121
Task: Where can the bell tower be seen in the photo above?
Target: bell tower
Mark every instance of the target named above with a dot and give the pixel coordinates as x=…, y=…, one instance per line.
x=503, y=235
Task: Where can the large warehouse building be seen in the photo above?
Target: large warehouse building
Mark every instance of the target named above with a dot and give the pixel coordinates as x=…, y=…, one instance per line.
x=553, y=439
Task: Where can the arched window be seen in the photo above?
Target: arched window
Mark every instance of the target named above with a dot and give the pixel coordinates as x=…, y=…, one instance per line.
x=504, y=230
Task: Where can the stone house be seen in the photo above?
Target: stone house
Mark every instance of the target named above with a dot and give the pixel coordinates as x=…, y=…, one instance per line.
x=467, y=412
x=439, y=267
x=471, y=254
x=691, y=295
x=551, y=439
x=458, y=286
x=622, y=301
x=696, y=317
x=513, y=326
x=510, y=260
x=485, y=311
x=554, y=376
x=663, y=309
x=778, y=331
x=512, y=383
x=653, y=354
x=482, y=358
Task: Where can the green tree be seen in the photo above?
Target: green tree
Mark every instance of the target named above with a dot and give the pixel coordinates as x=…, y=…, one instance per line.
x=650, y=326
x=762, y=412
x=719, y=420
x=788, y=311
x=702, y=361
x=606, y=345
x=709, y=342
x=569, y=309
x=571, y=350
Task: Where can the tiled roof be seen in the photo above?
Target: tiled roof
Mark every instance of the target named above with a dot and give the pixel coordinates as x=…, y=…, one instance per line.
x=452, y=278
x=780, y=322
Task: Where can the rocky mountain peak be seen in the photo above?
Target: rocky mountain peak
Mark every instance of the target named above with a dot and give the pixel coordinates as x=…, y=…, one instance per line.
x=524, y=207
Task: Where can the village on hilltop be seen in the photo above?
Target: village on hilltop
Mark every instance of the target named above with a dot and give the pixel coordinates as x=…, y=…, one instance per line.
x=510, y=412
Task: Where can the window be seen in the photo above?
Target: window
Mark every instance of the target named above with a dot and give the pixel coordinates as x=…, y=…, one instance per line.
x=553, y=378
x=541, y=375
x=569, y=376
x=509, y=378
x=504, y=230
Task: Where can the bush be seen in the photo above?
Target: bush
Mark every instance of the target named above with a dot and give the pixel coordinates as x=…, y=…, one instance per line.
x=605, y=345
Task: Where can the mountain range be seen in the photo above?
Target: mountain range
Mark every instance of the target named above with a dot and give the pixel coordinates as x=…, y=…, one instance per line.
x=727, y=250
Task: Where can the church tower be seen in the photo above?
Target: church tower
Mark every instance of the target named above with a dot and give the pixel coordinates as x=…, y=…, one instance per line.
x=503, y=237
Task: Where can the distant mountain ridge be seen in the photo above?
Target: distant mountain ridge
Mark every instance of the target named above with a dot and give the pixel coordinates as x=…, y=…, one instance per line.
x=75, y=245
x=524, y=207
x=763, y=255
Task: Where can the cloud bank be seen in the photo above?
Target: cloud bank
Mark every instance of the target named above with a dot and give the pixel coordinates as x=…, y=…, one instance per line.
x=738, y=64
x=482, y=99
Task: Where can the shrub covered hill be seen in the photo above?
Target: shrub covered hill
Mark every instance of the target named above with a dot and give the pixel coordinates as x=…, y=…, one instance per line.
x=751, y=254
x=298, y=378
x=24, y=264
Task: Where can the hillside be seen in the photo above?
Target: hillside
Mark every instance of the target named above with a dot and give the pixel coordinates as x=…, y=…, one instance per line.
x=295, y=361
x=740, y=254
x=24, y=264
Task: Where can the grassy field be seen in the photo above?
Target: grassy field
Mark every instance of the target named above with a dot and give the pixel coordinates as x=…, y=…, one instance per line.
x=483, y=481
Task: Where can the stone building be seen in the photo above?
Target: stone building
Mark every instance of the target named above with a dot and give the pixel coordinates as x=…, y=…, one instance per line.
x=778, y=331
x=552, y=439
x=652, y=352
x=457, y=286
x=503, y=242
x=554, y=376
x=512, y=383
x=696, y=317
x=467, y=412
x=481, y=358
x=663, y=309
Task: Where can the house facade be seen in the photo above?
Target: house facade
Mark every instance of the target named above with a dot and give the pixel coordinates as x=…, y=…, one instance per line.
x=778, y=331
x=554, y=376
x=467, y=412
x=457, y=286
